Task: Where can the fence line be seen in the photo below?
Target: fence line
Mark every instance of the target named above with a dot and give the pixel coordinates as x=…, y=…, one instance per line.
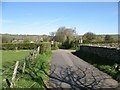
x=23, y=70
x=26, y=62
x=14, y=75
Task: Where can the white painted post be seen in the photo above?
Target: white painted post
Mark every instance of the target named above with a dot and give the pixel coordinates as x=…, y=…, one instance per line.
x=16, y=48
x=38, y=50
x=23, y=70
x=14, y=74
x=81, y=41
x=52, y=43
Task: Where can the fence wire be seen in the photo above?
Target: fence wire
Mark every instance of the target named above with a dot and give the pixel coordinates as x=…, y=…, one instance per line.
x=20, y=75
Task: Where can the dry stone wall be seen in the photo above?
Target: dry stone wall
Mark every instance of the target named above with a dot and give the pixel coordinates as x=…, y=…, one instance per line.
x=112, y=54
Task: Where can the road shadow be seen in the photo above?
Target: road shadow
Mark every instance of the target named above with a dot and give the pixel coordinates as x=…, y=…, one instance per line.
x=76, y=78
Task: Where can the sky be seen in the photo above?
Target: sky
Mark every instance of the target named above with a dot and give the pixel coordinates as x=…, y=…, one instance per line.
x=37, y=18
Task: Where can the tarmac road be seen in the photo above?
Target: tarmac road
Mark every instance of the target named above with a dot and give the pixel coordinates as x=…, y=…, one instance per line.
x=72, y=72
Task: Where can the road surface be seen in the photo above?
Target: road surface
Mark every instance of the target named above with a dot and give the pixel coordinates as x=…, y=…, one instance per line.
x=69, y=71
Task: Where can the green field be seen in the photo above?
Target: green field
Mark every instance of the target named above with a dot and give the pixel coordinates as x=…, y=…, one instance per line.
x=10, y=56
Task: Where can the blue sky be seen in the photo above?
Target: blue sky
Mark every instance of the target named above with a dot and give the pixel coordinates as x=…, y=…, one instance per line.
x=45, y=17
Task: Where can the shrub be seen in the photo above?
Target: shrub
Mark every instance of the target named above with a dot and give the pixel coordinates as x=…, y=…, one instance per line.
x=74, y=44
x=44, y=47
x=55, y=46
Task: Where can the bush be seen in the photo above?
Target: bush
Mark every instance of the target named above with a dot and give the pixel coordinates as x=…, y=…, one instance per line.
x=66, y=44
x=37, y=68
x=11, y=46
x=44, y=47
x=74, y=44
x=110, y=70
x=70, y=44
x=55, y=46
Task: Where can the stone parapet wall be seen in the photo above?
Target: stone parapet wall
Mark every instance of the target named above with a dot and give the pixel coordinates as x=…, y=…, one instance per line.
x=109, y=53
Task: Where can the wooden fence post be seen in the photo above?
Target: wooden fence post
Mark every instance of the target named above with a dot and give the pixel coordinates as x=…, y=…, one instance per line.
x=8, y=83
x=14, y=74
x=38, y=50
x=23, y=70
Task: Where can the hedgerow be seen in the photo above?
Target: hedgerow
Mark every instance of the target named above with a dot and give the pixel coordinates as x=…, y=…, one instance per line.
x=44, y=46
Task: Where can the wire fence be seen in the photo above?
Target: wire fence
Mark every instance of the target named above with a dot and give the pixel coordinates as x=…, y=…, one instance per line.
x=14, y=73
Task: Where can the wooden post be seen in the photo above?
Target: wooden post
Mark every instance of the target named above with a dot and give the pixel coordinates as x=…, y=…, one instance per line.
x=38, y=50
x=14, y=74
x=23, y=70
x=8, y=83
x=16, y=48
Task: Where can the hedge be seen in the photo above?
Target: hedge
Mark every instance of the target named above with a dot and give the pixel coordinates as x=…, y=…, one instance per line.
x=44, y=46
x=55, y=46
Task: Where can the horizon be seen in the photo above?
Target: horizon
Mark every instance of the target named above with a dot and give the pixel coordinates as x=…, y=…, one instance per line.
x=49, y=35
x=40, y=18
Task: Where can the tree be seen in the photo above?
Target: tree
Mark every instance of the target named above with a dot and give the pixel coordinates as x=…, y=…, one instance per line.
x=65, y=36
x=26, y=40
x=52, y=35
x=64, y=33
x=89, y=36
x=108, y=38
x=6, y=39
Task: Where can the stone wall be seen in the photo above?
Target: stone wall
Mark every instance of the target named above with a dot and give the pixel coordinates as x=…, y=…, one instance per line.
x=109, y=53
